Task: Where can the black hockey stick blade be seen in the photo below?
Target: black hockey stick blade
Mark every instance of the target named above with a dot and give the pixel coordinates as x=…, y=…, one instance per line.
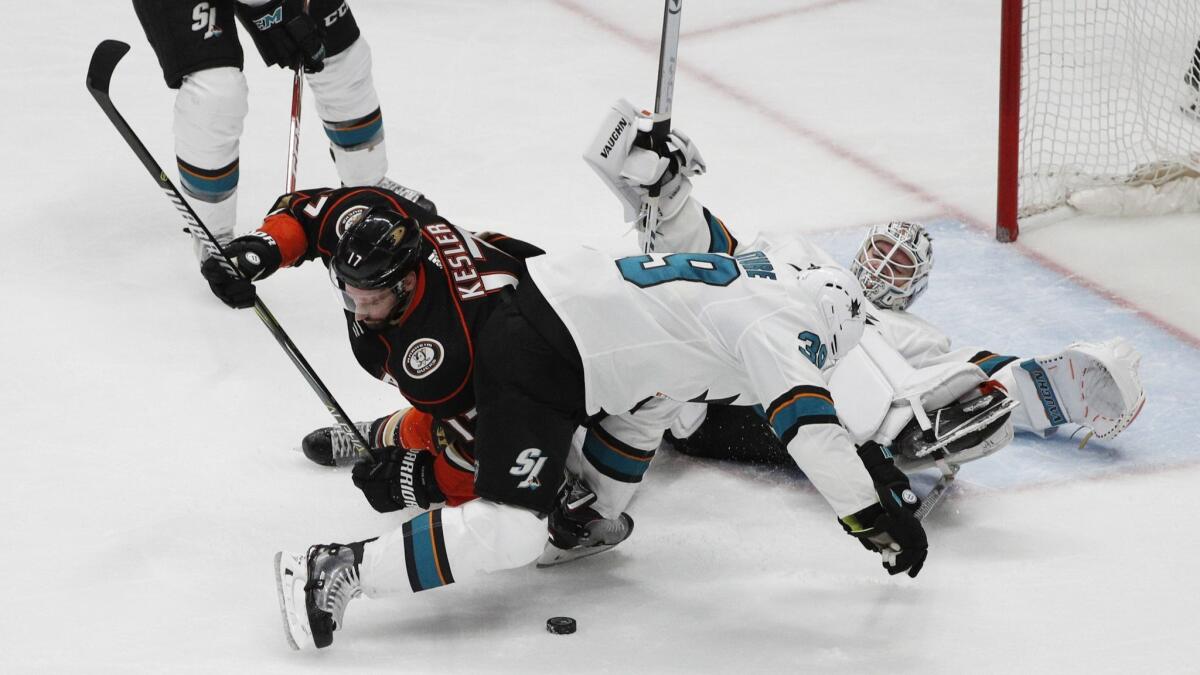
x=104, y=61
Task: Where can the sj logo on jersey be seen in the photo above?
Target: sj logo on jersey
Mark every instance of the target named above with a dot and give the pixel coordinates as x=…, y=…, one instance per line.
x=529, y=464
x=204, y=17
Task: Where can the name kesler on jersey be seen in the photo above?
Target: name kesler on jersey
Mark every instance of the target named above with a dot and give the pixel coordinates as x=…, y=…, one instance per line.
x=459, y=263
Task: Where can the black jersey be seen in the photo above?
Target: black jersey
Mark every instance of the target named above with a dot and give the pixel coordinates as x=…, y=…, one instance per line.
x=429, y=352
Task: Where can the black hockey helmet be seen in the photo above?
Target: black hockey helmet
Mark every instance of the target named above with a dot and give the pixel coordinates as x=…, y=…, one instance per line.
x=377, y=250
x=375, y=253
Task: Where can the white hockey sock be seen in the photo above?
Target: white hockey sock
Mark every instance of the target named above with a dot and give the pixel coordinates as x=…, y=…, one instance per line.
x=449, y=545
x=349, y=108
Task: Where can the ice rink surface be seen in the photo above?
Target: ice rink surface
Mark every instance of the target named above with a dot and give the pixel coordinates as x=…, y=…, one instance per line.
x=148, y=467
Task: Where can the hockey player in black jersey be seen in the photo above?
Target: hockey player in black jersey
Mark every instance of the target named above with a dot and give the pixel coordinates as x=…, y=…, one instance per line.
x=424, y=288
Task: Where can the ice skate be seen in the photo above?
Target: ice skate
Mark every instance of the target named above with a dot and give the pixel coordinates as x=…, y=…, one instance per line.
x=960, y=433
x=408, y=193
x=314, y=589
x=578, y=531
x=333, y=446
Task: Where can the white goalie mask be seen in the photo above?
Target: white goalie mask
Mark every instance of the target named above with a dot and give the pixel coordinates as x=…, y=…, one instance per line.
x=893, y=264
x=840, y=302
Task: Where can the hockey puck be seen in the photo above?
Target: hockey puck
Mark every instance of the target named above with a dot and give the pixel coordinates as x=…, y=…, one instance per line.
x=560, y=625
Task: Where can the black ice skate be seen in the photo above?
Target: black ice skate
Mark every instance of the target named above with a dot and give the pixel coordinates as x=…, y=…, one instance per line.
x=314, y=589
x=960, y=432
x=408, y=193
x=577, y=530
x=331, y=446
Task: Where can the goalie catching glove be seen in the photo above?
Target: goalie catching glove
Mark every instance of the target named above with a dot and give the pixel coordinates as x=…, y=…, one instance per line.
x=626, y=158
x=400, y=479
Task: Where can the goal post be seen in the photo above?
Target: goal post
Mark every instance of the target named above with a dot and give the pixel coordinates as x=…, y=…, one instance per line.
x=1099, y=108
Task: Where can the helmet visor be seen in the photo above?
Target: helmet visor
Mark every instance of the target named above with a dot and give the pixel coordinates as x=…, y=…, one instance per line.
x=375, y=307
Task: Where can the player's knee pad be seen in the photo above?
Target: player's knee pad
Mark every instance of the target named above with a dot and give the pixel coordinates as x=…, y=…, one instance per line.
x=449, y=545
x=485, y=536
x=349, y=110
x=209, y=113
x=345, y=89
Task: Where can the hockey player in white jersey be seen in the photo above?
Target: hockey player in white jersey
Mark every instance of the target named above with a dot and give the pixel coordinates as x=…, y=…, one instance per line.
x=585, y=335
x=1091, y=385
x=201, y=57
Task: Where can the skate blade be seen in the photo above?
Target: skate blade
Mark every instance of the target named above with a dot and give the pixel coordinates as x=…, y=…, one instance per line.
x=287, y=577
x=976, y=423
x=553, y=555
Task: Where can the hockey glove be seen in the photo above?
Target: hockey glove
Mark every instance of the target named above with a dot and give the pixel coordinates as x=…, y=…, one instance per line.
x=255, y=256
x=285, y=34
x=400, y=479
x=893, y=532
x=890, y=482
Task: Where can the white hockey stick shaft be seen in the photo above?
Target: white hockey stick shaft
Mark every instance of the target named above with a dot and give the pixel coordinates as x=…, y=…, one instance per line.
x=668, y=55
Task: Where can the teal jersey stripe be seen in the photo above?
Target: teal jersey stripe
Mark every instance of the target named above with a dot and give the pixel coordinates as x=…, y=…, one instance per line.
x=357, y=134
x=624, y=464
x=803, y=409
x=720, y=240
x=206, y=186
x=993, y=362
x=422, y=532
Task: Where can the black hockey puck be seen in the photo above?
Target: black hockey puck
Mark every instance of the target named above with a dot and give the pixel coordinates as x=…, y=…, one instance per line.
x=560, y=625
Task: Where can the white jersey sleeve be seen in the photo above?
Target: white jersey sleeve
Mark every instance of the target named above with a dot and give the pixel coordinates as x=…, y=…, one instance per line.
x=798, y=406
x=694, y=229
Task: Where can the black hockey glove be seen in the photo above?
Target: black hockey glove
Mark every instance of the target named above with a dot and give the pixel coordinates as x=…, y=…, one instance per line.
x=892, y=531
x=401, y=478
x=285, y=34
x=890, y=482
x=255, y=255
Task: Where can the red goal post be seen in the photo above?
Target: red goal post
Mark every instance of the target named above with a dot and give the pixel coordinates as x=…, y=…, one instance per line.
x=1099, y=108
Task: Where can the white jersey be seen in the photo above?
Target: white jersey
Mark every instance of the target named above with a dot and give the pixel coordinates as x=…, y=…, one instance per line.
x=919, y=342
x=708, y=327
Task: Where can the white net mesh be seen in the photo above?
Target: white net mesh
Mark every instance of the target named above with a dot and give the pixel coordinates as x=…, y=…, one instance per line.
x=1108, y=96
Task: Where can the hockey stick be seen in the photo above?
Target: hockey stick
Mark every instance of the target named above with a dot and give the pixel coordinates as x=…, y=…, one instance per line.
x=668, y=55
x=294, y=141
x=104, y=61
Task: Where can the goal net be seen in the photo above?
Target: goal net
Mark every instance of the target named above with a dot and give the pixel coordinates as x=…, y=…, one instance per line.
x=1100, y=108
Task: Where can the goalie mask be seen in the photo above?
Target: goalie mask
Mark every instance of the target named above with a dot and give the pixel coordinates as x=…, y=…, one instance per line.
x=840, y=302
x=372, y=268
x=893, y=264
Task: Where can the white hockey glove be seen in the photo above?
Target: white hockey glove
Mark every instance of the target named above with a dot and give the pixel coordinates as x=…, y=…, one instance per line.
x=621, y=154
x=1092, y=384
